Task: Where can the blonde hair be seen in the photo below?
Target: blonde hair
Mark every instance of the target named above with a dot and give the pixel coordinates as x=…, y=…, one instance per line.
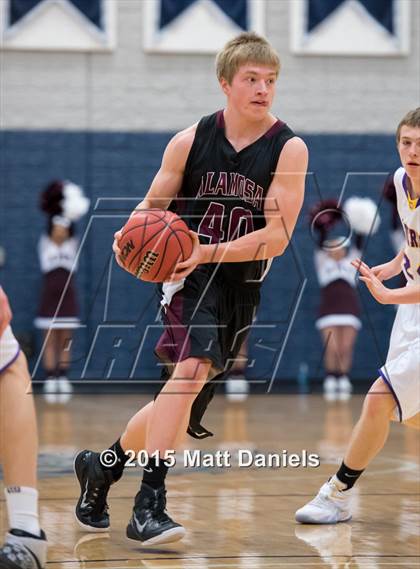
x=412, y=118
x=244, y=48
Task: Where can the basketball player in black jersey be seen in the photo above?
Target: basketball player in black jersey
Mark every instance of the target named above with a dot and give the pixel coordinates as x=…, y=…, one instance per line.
x=237, y=178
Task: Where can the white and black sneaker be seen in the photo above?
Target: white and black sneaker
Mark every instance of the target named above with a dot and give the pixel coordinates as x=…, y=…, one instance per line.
x=150, y=523
x=330, y=506
x=95, y=481
x=23, y=550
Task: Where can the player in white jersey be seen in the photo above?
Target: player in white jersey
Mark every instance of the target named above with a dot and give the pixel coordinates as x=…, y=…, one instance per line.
x=25, y=546
x=395, y=395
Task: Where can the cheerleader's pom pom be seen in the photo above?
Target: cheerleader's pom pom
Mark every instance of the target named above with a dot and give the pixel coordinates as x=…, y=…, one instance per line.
x=50, y=199
x=324, y=215
x=363, y=215
x=74, y=203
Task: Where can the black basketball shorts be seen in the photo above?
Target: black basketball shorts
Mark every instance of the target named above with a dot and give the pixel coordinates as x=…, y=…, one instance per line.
x=205, y=317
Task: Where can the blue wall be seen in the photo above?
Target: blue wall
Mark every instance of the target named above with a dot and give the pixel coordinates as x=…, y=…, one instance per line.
x=122, y=165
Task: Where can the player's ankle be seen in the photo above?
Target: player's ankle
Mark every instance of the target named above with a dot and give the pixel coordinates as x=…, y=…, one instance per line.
x=117, y=470
x=348, y=476
x=154, y=475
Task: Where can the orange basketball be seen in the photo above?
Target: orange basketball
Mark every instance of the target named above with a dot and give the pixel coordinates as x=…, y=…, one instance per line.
x=153, y=241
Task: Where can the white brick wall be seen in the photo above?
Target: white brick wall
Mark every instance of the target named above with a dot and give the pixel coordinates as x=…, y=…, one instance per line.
x=129, y=90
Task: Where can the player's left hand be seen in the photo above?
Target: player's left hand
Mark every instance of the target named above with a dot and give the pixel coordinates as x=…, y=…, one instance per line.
x=116, y=249
x=183, y=269
x=379, y=291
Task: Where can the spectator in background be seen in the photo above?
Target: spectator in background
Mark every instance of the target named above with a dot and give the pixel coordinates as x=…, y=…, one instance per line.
x=339, y=311
x=64, y=203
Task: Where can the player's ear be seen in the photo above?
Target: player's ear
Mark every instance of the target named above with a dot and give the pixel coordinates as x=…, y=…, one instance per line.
x=224, y=85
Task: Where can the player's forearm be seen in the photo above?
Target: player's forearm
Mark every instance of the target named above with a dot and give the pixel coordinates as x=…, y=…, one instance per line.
x=399, y=256
x=397, y=260
x=165, y=187
x=256, y=246
x=406, y=295
x=150, y=203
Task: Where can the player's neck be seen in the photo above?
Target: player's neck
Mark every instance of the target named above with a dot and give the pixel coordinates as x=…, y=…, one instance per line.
x=241, y=132
x=414, y=187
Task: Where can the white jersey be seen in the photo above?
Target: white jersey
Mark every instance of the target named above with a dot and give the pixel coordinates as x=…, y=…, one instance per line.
x=409, y=212
x=329, y=270
x=402, y=367
x=53, y=256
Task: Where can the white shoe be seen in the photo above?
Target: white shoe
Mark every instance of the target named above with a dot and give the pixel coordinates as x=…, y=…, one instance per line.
x=23, y=550
x=50, y=385
x=50, y=389
x=237, y=388
x=330, y=388
x=64, y=385
x=344, y=388
x=330, y=506
x=57, y=390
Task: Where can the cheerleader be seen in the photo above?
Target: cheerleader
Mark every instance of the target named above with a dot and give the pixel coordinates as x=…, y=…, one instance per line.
x=339, y=311
x=58, y=314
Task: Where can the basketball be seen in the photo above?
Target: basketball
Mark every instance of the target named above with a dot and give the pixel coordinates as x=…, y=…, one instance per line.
x=153, y=241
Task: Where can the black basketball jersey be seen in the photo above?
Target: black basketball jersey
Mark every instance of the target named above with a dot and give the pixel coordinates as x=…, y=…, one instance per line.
x=223, y=191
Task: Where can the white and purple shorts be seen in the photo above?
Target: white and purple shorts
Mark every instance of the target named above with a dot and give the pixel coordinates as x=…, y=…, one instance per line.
x=401, y=371
x=9, y=349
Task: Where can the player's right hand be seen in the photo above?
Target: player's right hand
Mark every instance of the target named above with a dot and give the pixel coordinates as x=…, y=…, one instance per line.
x=379, y=291
x=116, y=249
x=5, y=311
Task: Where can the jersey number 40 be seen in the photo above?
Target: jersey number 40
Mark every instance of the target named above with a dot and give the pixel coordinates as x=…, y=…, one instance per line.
x=211, y=226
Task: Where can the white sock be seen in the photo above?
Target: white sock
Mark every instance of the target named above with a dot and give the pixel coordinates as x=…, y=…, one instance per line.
x=22, y=508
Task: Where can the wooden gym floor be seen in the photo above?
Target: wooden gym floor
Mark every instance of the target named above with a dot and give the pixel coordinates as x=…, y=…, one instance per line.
x=235, y=517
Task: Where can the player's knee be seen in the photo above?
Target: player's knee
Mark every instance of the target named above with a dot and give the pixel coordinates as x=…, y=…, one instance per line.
x=188, y=378
x=374, y=405
x=379, y=401
x=192, y=370
x=17, y=371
